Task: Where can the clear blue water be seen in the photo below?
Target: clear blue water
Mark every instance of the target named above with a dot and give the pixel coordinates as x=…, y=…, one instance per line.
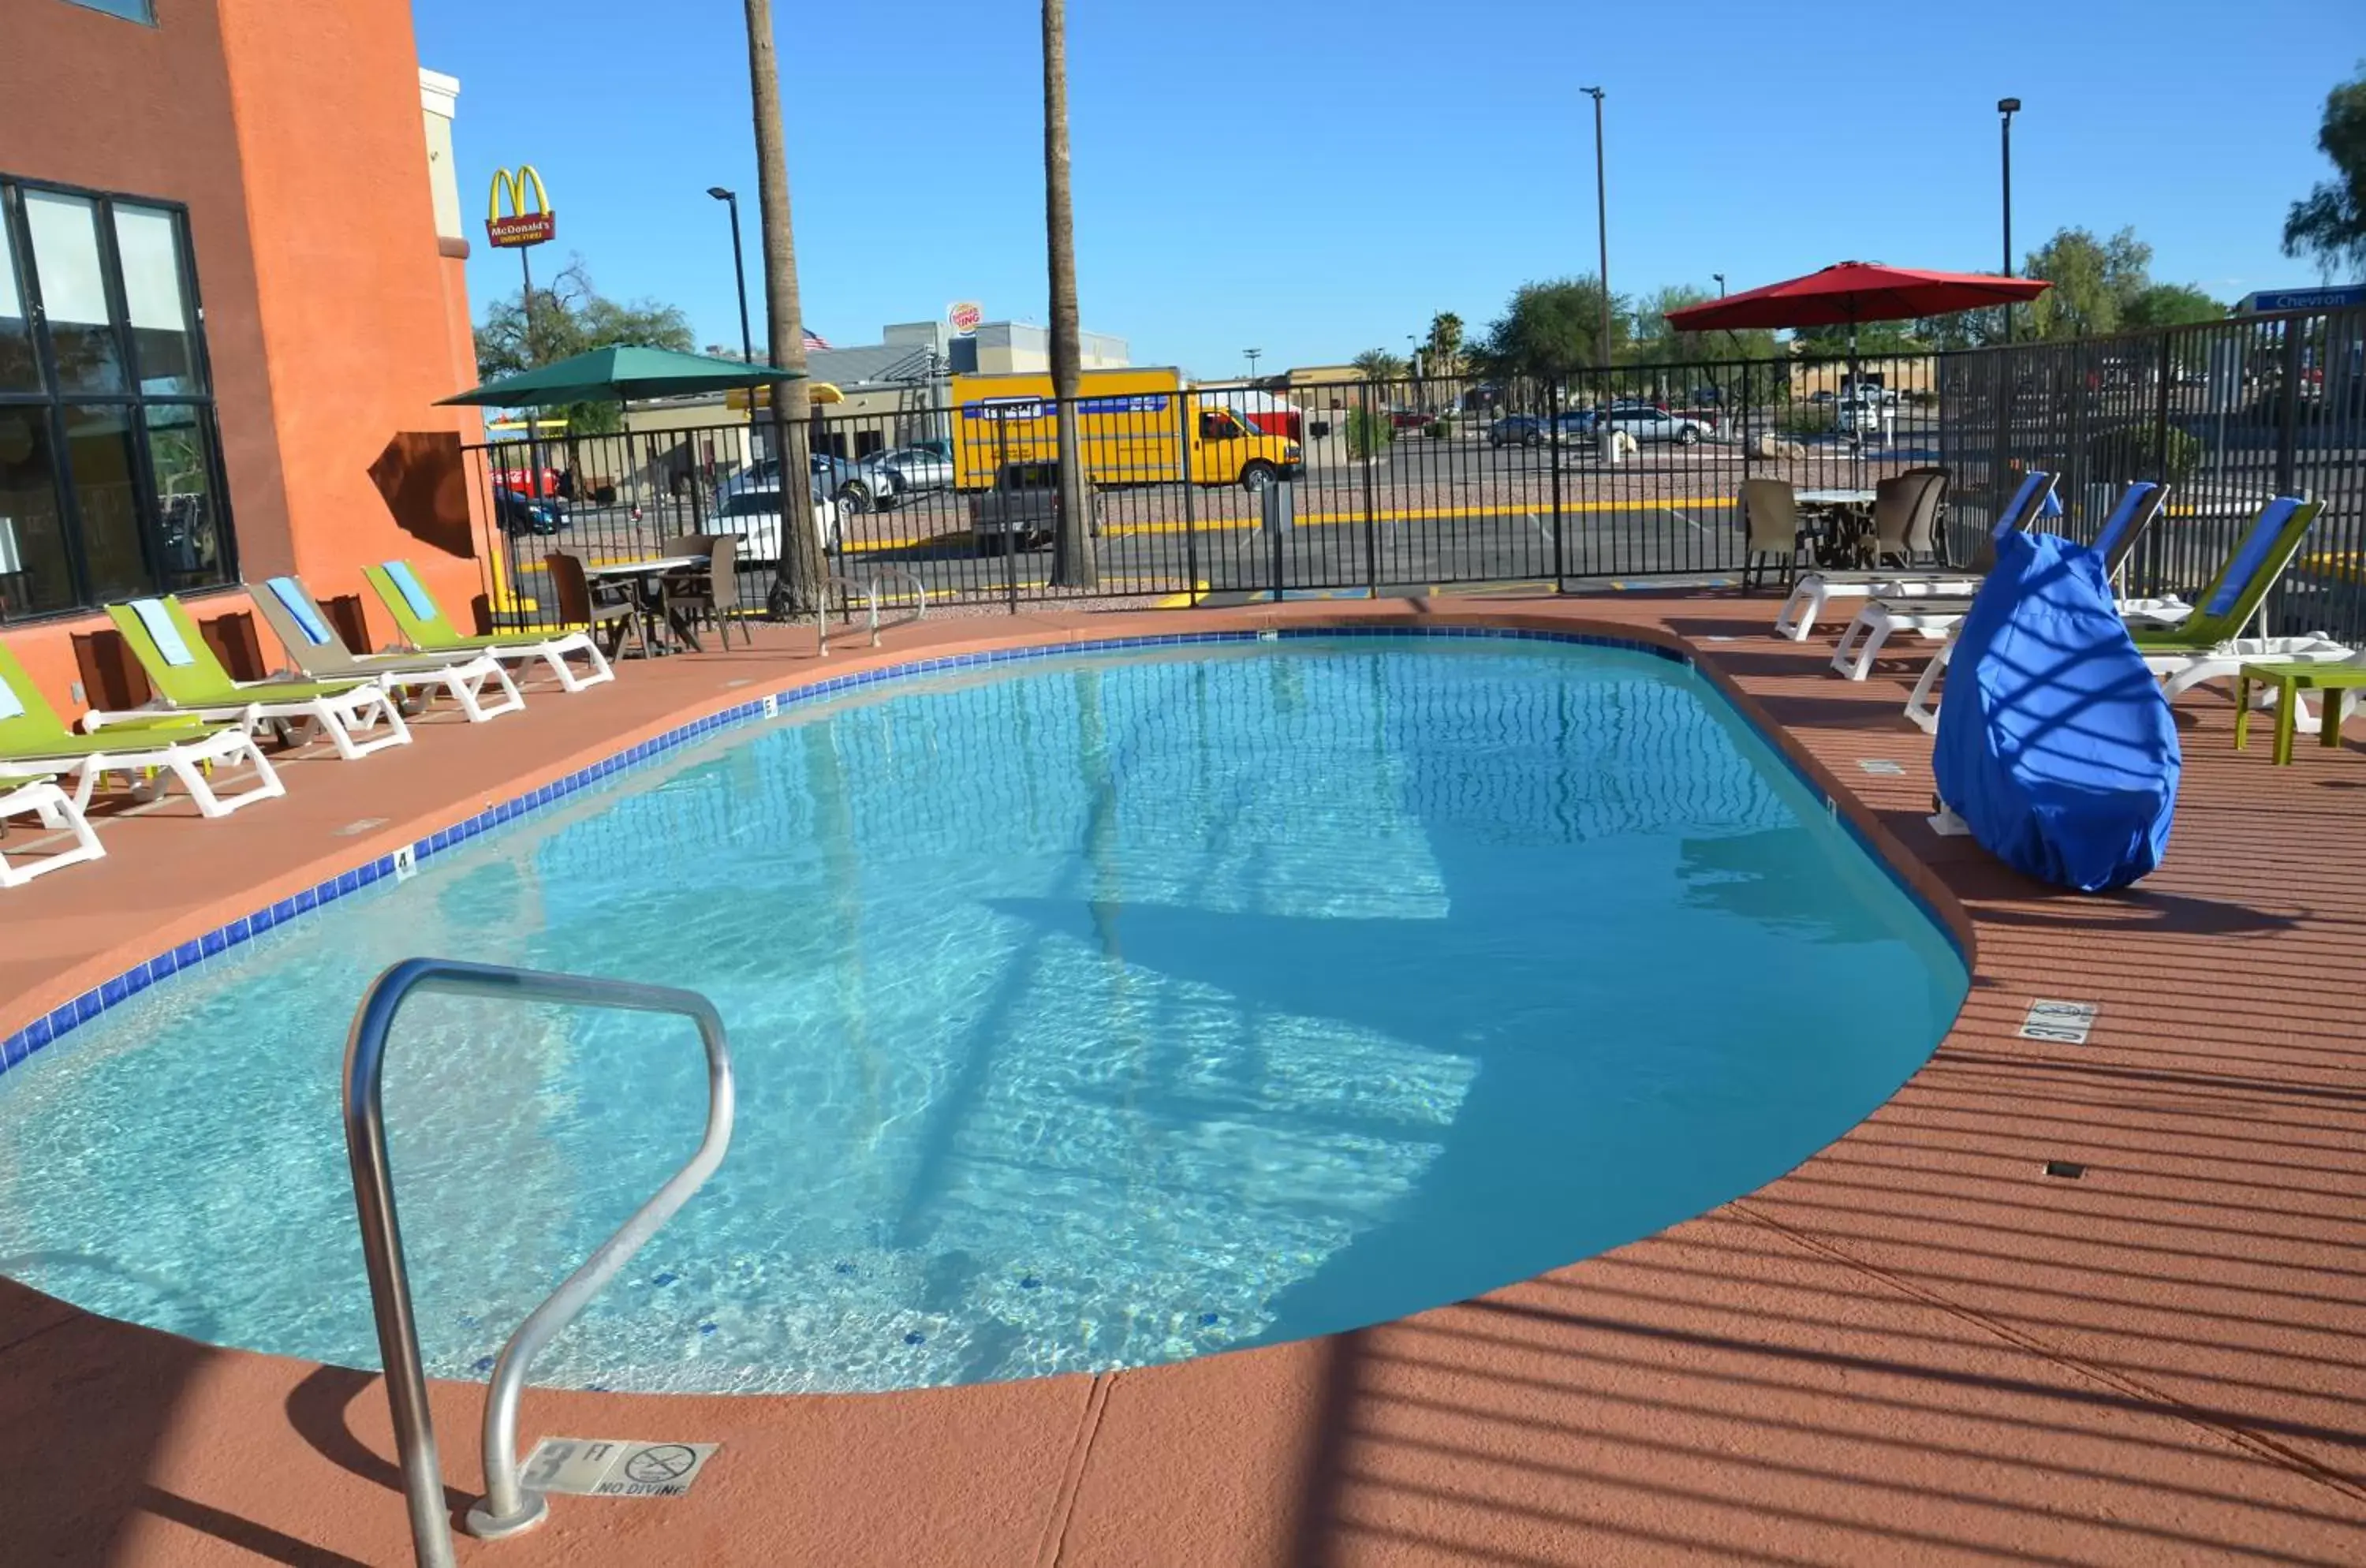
x=1099, y=1012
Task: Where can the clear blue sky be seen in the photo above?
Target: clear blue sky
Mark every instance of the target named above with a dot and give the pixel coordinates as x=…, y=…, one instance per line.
x=1314, y=180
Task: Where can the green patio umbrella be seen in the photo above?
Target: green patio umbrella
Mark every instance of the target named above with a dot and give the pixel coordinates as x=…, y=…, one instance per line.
x=616, y=375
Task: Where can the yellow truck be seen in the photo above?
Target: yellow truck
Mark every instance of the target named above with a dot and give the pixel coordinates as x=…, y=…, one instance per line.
x=1133, y=427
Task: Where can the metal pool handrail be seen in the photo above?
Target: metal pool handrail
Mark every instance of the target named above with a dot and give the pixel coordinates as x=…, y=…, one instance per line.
x=506, y=1509
x=870, y=592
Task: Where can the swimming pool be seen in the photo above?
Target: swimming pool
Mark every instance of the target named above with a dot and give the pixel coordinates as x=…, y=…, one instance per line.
x=1097, y=1010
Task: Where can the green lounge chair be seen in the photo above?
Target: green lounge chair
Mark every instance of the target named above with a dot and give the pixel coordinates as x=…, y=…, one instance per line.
x=190, y=681
x=44, y=799
x=2213, y=643
x=305, y=633
x=34, y=740
x=424, y=627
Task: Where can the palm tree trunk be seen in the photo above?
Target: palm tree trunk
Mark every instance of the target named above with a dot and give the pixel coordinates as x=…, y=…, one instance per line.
x=797, y=589
x=1073, y=565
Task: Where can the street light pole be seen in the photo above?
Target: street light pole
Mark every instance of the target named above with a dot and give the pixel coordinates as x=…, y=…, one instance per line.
x=1720, y=283
x=739, y=274
x=1602, y=228
x=1253, y=356
x=2006, y=110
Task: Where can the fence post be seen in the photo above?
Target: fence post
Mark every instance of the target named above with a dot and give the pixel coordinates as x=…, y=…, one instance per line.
x=1552, y=457
x=2288, y=411
x=1190, y=499
x=2145, y=575
x=1371, y=518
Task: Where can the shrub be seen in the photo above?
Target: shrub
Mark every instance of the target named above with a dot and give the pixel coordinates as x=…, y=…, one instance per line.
x=2116, y=456
x=1807, y=419
x=1368, y=433
x=1438, y=429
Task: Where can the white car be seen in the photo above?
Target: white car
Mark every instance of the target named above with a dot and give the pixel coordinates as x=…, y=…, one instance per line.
x=755, y=515
x=1649, y=424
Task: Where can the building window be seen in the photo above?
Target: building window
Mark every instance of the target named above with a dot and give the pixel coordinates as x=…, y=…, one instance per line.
x=130, y=10
x=110, y=475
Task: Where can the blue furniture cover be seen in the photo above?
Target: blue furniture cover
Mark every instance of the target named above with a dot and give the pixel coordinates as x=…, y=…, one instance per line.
x=2055, y=742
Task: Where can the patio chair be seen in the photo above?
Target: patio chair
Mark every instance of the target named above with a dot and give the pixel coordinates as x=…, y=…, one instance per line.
x=608, y=607
x=423, y=626
x=2210, y=642
x=305, y=633
x=1935, y=616
x=711, y=593
x=1770, y=519
x=33, y=740
x=1816, y=589
x=189, y=681
x=43, y=800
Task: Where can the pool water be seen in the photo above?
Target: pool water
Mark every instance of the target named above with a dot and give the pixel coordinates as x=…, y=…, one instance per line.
x=1098, y=1010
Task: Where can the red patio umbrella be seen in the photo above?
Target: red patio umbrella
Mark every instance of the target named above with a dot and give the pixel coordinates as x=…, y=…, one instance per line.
x=1856, y=291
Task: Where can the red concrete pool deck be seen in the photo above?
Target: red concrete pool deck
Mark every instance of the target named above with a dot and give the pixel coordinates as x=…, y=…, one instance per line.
x=1915, y=1348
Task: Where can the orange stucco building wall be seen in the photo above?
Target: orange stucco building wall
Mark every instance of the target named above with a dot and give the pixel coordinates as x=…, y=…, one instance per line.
x=335, y=318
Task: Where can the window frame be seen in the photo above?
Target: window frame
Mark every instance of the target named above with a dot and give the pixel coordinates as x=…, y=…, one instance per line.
x=54, y=399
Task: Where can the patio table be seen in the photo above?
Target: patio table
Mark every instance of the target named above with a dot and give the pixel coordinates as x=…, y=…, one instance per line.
x=2335, y=681
x=643, y=575
x=1838, y=517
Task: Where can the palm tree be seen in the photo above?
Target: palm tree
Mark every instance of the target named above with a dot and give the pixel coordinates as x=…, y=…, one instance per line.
x=1073, y=565
x=1378, y=365
x=797, y=589
x=1444, y=350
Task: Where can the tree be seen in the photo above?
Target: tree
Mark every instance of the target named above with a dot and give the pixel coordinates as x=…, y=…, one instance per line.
x=1073, y=565
x=1380, y=365
x=1549, y=331
x=570, y=316
x=1874, y=339
x=797, y=586
x=2093, y=281
x=1442, y=351
x=1655, y=341
x=2170, y=304
x=2329, y=223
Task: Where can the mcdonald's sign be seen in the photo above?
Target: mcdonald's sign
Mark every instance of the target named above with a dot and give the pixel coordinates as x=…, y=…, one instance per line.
x=522, y=225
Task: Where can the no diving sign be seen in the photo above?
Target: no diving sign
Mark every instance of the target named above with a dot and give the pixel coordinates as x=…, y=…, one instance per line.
x=609, y=1467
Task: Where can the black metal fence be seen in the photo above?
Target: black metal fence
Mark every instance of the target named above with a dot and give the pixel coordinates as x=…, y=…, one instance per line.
x=1620, y=476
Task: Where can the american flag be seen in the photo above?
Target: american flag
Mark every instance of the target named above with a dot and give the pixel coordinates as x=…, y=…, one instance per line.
x=813, y=340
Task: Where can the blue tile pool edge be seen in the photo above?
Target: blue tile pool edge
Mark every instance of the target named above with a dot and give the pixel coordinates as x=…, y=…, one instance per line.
x=63, y=1019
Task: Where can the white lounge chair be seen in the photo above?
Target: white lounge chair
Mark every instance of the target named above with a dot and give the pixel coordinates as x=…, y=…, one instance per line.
x=43, y=800
x=2212, y=642
x=1817, y=589
x=424, y=626
x=305, y=633
x=190, y=683
x=1934, y=616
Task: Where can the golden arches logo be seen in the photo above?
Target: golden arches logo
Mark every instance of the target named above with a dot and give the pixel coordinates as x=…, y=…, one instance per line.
x=523, y=224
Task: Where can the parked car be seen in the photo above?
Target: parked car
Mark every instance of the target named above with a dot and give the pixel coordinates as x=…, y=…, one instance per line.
x=854, y=489
x=521, y=513
x=1409, y=419
x=749, y=504
x=912, y=470
x=1647, y=424
x=1534, y=430
x=1022, y=510
x=1707, y=397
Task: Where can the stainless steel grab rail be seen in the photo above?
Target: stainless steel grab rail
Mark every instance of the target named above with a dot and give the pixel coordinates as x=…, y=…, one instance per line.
x=506, y=1509
x=870, y=592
